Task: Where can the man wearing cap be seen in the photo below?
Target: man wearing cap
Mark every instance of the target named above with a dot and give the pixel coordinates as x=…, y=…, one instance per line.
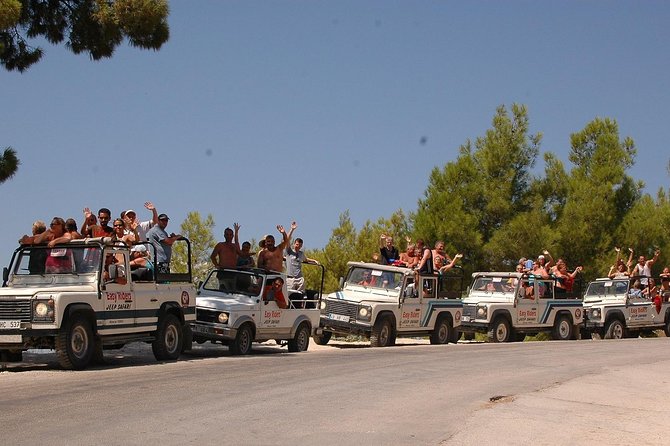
x=162, y=243
x=140, y=228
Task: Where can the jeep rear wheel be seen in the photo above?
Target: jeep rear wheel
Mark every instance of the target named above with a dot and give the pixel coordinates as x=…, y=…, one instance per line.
x=169, y=340
x=563, y=328
x=442, y=332
x=241, y=345
x=500, y=331
x=75, y=343
x=666, y=328
x=382, y=333
x=615, y=330
x=300, y=342
x=323, y=338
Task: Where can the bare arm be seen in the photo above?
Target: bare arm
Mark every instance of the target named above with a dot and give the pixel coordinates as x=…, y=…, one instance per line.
x=150, y=206
x=284, y=242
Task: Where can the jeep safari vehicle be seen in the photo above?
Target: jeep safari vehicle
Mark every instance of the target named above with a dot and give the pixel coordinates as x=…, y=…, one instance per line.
x=508, y=306
x=617, y=308
x=382, y=302
x=81, y=297
x=233, y=308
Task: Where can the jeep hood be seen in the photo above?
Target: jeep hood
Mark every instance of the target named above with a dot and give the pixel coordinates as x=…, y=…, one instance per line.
x=234, y=302
x=363, y=295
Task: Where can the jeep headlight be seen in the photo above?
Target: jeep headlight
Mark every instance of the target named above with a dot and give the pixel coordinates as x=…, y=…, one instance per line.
x=595, y=313
x=364, y=313
x=43, y=310
x=223, y=318
x=482, y=312
x=323, y=305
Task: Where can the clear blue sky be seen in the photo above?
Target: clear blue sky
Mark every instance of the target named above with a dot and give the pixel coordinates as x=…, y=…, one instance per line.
x=266, y=112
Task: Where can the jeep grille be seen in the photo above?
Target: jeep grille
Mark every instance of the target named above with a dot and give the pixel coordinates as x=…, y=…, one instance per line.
x=206, y=315
x=470, y=310
x=343, y=308
x=15, y=310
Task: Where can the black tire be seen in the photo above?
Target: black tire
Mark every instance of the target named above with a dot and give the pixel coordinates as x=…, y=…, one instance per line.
x=300, y=343
x=98, y=357
x=615, y=330
x=187, y=332
x=563, y=328
x=455, y=336
x=382, y=333
x=666, y=328
x=241, y=345
x=169, y=339
x=75, y=343
x=442, y=333
x=323, y=338
x=11, y=356
x=500, y=331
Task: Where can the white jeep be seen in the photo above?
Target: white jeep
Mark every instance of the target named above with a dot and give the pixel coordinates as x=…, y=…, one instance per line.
x=233, y=309
x=508, y=306
x=382, y=302
x=81, y=297
x=617, y=308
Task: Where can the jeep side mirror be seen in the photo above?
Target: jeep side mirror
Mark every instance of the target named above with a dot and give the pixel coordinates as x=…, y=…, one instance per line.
x=5, y=275
x=341, y=282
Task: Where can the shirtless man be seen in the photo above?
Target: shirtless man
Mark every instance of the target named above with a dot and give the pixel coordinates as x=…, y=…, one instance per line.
x=272, y=256
x=440, y=257
x=225, y=253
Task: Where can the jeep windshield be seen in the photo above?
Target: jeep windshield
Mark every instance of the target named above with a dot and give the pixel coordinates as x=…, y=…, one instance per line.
x=607, y=287
x=374, y=278
x=41, y=264
x=495, y=285
x=234, y=282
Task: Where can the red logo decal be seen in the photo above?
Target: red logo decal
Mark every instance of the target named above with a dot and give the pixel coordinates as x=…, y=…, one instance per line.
x=458, y=315
x=184, y=298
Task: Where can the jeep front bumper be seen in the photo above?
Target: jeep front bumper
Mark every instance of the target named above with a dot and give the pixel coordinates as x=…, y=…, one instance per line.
x=344, y=327
x=215, y=332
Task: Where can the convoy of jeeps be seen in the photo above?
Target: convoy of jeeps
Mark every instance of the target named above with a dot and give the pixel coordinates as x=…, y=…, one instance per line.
x=91, y=300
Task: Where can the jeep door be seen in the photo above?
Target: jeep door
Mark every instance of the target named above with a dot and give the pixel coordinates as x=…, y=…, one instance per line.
x=414, y=303
x=274, y=322
x=641, y=311
x=117, y=295
x=527, y=304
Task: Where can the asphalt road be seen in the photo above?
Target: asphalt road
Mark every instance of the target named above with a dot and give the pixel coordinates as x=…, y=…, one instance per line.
x=550, y=392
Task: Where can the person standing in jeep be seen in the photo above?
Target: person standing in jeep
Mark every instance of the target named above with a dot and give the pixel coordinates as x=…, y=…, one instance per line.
x=162, y=243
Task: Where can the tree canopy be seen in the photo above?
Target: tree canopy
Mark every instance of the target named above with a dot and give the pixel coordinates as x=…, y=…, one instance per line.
x=95, y=27
x=492, y=206
x=9, y=164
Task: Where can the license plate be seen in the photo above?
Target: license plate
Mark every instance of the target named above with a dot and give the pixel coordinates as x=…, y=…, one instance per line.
x=202, y=329
x=9, y=325
x=10, y=338
x=338, y=317
x=465, y=319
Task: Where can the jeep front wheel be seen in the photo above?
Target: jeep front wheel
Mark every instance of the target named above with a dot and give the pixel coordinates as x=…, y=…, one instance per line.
x=442, y=332
x=562, y=329
x=382, y=333
x=323, y=338
x=75, y=343
x=169, y=339
x=241, y=345
x=300, y=342
x=615, y=330
x=500, y=331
